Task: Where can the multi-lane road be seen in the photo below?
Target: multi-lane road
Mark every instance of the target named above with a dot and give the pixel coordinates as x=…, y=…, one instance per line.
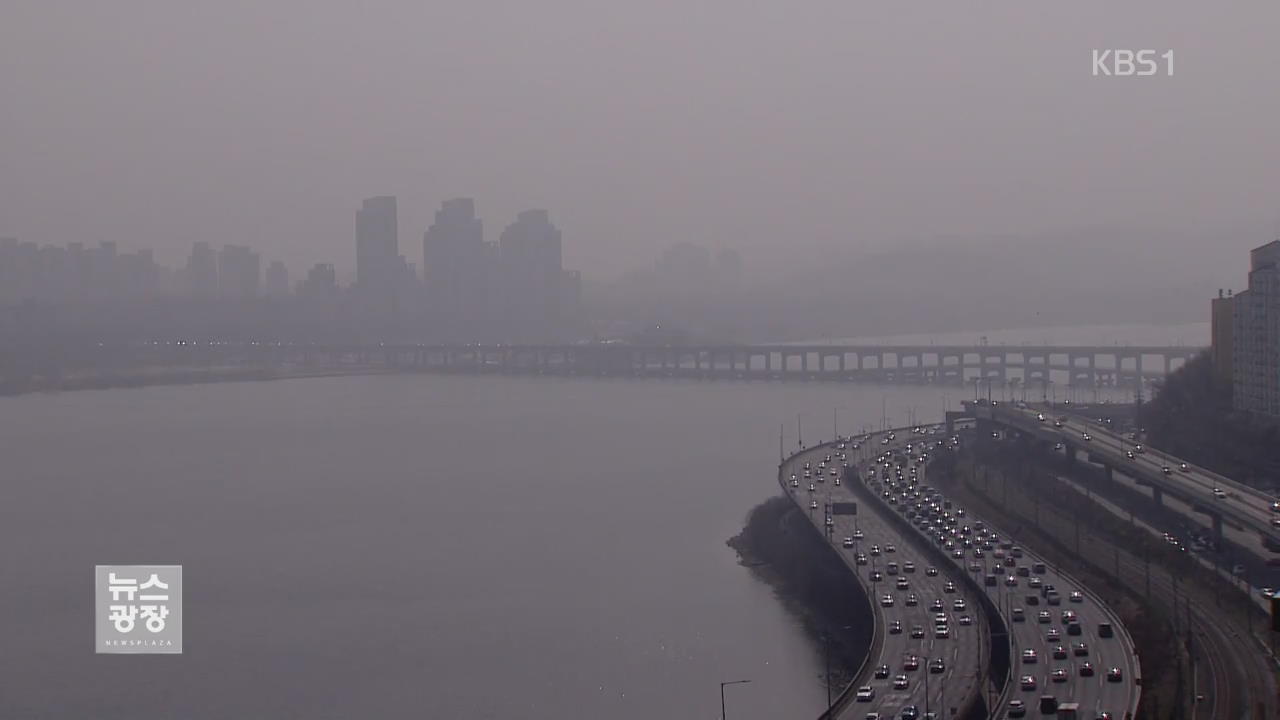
x=1237, y=504
x=1018, y=592
x=909, y=631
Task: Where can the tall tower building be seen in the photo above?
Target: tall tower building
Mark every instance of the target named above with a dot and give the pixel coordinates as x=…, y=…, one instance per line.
x=202, y=271
x=239, y=272
x=532, y=275
x=454, y=261
x=277, y=279
x=377, y=242
x=1255, y=361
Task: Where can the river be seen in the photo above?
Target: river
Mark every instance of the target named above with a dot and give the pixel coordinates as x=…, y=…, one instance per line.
x=421, y=545
x=413, y=545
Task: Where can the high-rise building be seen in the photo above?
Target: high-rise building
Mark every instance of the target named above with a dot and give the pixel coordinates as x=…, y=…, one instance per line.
x=1222, y=333
x=532, y=275
x=321, y=282
x=202, y=271
x=1256, y=335
x=455, y=259
x=377, y=243
x=277, y=279
x=239, y=272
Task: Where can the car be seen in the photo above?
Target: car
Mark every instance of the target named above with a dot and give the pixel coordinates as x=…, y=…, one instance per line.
x=886, y=601
x=941, y=632
x=812, y=487
x=1086, y=669
x=912, y=600
x=1011, y=581
x=937, y=666
x=1035, y=582
x=936, y=605
x=848, y=542
x=882, y=672
x=959, y=605
x=917, y=632
x=900, y=682
x=895, y=627
x=1115, y=675
x=1029, y=657
x=890, y=548
x=1219, y=493
x=1053, y=635
x=931, y=571
x=1183, y=467
x=1080, y=649
x=950, y=587
x=1023, y=571
x=1040, y=417
x=1017, y=709
x=1059, y=676
x=866, y=693
x=875, y=551
x=1129, y=454
x=860, y=558
x=1059, y=653
x=1166, y=470
x=1076, y=596
x=966, y=620
x=911, y=663
x=1087, y=437
x=1028, y=682
x=910, y=712
x=908, y=567
x=903, y=584
x=1138, y=449
x=813, y=504
x=1057, y=446
x=876, y=576
x=857, y=535
x=1019, y=615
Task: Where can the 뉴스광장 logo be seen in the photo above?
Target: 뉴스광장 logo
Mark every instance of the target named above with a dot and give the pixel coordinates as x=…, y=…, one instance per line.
x=137, y=609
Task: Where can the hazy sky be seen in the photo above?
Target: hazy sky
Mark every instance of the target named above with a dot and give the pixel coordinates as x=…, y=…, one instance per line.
x=768, y=126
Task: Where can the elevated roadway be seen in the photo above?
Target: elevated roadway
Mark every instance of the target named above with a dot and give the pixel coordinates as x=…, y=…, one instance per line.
x=1221, y=499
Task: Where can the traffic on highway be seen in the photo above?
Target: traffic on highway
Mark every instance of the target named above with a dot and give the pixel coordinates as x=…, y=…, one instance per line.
x=1066, y=647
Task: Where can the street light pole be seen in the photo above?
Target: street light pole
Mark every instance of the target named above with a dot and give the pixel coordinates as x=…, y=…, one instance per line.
x=731, y=682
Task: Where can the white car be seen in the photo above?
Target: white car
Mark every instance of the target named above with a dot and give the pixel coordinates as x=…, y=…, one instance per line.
x=866, y=693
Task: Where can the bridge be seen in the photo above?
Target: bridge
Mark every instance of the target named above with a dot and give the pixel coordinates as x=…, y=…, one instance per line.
x=982, y=675
x=1221, y=499
x=1089, y=366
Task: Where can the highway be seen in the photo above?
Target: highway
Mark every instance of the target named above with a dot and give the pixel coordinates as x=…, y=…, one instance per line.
x=1042, y=628
x=963, y=653
x=1238, y=505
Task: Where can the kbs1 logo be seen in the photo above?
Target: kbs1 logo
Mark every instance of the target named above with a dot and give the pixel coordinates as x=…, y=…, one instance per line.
x=1131, y=63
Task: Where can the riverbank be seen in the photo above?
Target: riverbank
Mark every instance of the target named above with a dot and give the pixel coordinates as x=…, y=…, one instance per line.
x=780, y=547
x=174, y=376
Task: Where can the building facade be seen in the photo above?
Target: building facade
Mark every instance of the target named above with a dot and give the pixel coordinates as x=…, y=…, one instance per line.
x=1256, y=336
x=1222, y=332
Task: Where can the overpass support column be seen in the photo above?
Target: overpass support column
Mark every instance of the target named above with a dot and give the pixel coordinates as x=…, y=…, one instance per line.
x=1158, y=495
